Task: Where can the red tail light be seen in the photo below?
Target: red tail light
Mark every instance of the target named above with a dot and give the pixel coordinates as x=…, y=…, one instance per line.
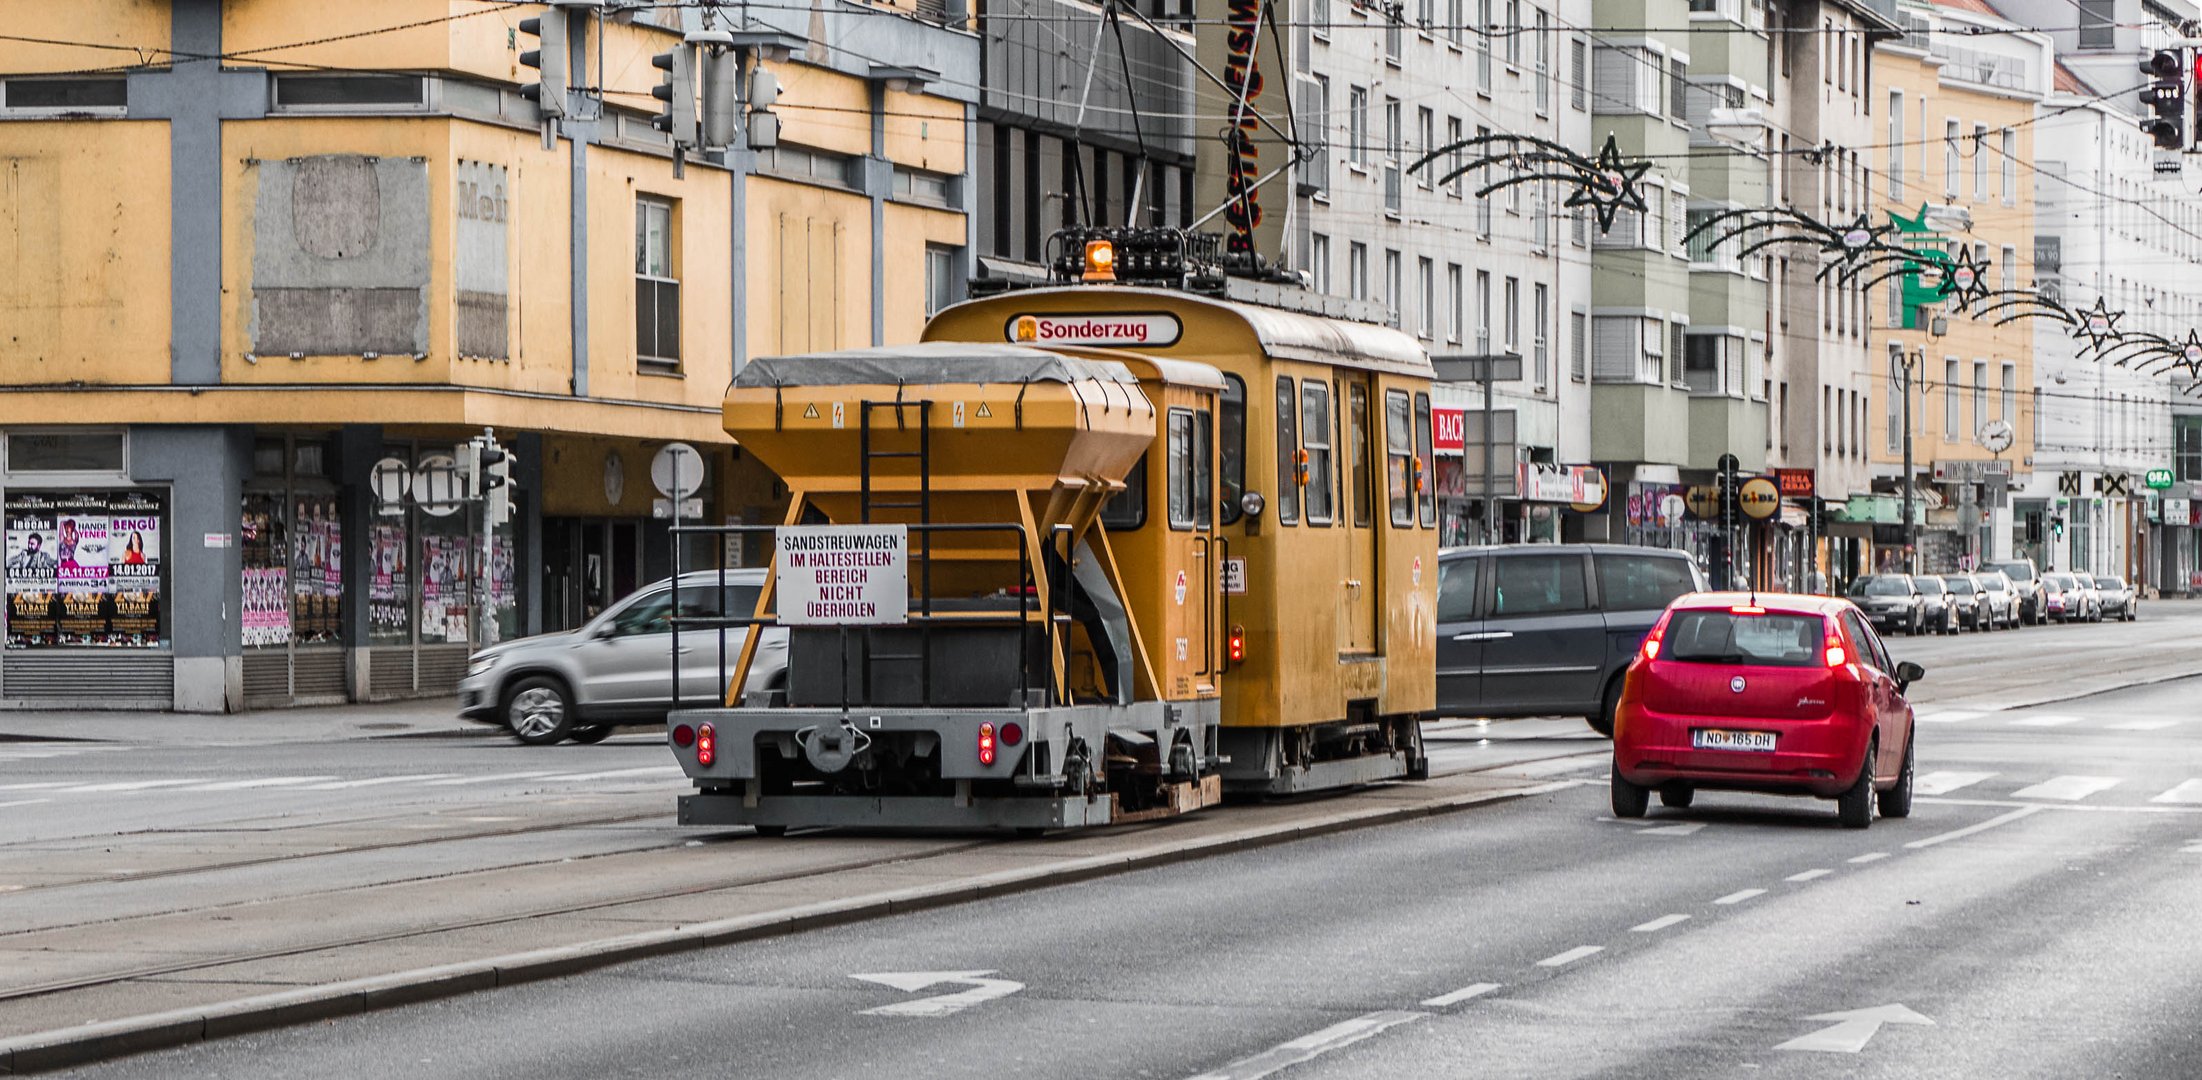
x=1235, y=648
x=986, y=744
x=1836, y=657
x=1012, y=733
x=1651, y=640
x=684, y=736
x=707, y=745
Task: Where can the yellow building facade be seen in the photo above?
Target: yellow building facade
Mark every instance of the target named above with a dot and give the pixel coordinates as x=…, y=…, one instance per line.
x=250, y=304
x=1955, y=173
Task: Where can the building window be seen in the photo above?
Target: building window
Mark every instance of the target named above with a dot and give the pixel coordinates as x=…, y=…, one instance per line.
x=1483, y=312
x=1318, y=257
x=1426, y=278
x=1392, y=154
x=66, y=452
x=1950, y=170
x=1454, y=303
x=2009, y=264
x=1541, y=311
x=1544, y=62
x=1514, y=32
x=1459, y=159
x=2010, y=167
x=1980, y=162
x=1394, y=295
x=1318, y=125
x=2098, y=24
x=657, y=285
x=1510, y=314
x=1980, y=396
x=2009, y=412
x=1426, y=128
x=1483, y=45
x=1578, y=84
x=1896, y=144
x=940, y=278
x=1578, y=347
x=1357, y=270
x=350, y=91
x=1357, y=125
x=1483, y=202
x=1950, y=402
x=67, y=95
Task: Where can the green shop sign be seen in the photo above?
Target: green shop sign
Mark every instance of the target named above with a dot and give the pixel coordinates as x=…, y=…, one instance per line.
x=2158, y=479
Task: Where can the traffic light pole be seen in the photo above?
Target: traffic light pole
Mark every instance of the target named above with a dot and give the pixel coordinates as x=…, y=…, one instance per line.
x=1911, y=537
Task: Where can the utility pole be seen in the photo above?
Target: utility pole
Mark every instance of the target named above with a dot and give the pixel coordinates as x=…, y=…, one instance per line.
x=1910, y=362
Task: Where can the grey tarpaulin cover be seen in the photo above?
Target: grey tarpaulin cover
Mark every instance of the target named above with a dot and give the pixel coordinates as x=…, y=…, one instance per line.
x=927, y=363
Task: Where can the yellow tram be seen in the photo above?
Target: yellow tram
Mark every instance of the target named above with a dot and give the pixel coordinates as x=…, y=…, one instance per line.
x=1175, y=544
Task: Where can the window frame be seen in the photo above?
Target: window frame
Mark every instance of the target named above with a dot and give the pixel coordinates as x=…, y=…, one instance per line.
x=1189, y=465
x=1398, y=454
x=1318, y=446
x=656, y=358
x=1287, y=399
x=1231, y=449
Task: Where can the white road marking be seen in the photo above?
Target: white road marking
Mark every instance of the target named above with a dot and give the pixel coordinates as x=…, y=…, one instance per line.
x=1570, y=956
x=1981, y=826
x=1809, y=875
x=2070, y=808
x=491, y=778
x=43, y=785
x=2188, y=792
x=1853, y=1029
x=1683, y=829
x=23, y=802
x=1740, y=895
x=1942, y=783
x=1875, y=856
x=2050, y=720
x=1308, y=1047
x=1952, y=716
x=620, y=774
x=1554, y=765
x=982, y=989
x=375, y=781
x=2144, y=725
x=2068, y=788
x=258, y=782
x=1456, y=997
x=130, y=785
x=1658, y=924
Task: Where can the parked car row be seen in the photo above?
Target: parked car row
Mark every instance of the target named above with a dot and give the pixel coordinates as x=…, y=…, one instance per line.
x=2008, y=594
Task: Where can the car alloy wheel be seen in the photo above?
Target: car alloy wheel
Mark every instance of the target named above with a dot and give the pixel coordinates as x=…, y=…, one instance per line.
x=538, y=712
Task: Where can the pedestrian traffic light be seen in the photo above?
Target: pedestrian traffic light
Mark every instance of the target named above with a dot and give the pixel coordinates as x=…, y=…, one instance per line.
x=764, y=124
x=548, y=92
x=2166, y=98
x=678, y=92
x=2056, y=527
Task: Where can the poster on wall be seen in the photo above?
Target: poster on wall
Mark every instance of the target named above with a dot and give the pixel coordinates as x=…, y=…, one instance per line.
x=316, y=583
x=267, y=609
x=388, y=584
x=134, y=570
x=31, y=570
x=84, y=569
x=443, y=589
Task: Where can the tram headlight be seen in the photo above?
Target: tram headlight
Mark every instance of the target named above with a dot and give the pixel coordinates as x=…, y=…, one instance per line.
x=1252, y=504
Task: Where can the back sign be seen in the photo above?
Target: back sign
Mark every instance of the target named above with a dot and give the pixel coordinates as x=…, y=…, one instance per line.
x=842, y=575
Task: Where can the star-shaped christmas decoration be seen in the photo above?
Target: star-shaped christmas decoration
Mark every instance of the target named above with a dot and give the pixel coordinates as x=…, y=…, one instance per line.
x=1855, y=239
x=2190, y=351
x=1964, y=279
x=2098, y=325
x=1609, y=184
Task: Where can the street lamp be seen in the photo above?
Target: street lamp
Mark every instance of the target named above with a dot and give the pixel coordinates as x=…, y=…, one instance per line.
x=1908, y=362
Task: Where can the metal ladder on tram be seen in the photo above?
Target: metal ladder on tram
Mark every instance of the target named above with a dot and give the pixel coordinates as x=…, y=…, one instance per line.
x=869, y=456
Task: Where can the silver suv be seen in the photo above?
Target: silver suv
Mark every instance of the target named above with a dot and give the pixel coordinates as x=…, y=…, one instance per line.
x=618, y=668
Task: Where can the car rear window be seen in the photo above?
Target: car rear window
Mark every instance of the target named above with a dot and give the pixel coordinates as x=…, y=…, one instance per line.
x=1960, y=586
x=1772, y=639
x=2016, y=571
x=1881, y=586
x=2109, y=583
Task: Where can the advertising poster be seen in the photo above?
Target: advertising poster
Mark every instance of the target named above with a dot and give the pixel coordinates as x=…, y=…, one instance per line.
x=80, y=548
x=33, y=618
x=267, y=615
x=134, y=570
x=316, y=583
x=388, y=584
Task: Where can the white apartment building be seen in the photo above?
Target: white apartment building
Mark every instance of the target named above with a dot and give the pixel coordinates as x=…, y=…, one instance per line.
x=1386, y=84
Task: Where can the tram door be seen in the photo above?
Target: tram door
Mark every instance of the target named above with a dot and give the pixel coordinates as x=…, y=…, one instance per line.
x=1189, y=651
x=1361, y=588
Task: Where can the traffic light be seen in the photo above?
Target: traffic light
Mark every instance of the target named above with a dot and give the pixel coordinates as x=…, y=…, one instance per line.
x=469, y=468
x=764, y=124
x=2056, y=526
x=2166, y=98
x=495, y=470
x=678, y=92
x=549, y=56
x=721, y=120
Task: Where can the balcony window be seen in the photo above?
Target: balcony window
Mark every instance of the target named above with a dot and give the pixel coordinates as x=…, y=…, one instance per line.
x=657, y=287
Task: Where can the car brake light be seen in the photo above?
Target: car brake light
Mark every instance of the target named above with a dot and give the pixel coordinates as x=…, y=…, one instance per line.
x=1836, y=657
x=707, y=745
x=1746, y=609
x=684, y=736
x=1651, y=648
x=1235, y=647
x=986, y=744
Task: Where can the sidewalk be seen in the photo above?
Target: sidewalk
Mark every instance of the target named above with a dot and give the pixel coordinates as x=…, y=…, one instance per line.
x=426, y=717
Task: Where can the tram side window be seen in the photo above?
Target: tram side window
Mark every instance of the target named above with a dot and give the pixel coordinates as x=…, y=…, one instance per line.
x=1288, y=453
x=1399, y=456
x=1127, y=509
x=1357, y=441
x=1192, y=493
x=1231, y=430
x=1426, y=477
x=1315, y=439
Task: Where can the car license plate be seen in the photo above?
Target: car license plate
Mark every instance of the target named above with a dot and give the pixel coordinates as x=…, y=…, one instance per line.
x=1715, y=739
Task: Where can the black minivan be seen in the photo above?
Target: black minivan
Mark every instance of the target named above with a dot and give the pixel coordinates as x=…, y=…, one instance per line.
x=1548, y=629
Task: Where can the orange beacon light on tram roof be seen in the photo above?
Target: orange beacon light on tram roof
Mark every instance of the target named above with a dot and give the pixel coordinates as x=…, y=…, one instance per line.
x=1100, y=261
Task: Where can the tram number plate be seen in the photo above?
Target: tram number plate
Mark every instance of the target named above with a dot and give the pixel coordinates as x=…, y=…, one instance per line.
x=1716, y=739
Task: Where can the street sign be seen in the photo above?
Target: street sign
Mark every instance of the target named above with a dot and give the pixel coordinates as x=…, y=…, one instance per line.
x=677, y=470
x=437, y=486
x=390, y=480
x=2068, y=483
x=2178, y=511
x=2113, y=483
x=1759, y=498
x=2159, y=479
x=1502, y=367
x=843, y=575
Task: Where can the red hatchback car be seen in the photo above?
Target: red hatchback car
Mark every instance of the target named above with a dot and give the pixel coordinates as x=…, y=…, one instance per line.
x=1766, y=692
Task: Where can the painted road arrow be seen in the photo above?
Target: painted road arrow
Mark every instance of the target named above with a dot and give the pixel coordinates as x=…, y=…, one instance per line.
x=1853, y=1029
x=982, y=989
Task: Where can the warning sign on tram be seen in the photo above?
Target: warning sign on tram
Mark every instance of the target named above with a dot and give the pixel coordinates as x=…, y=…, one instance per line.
x=842, y=575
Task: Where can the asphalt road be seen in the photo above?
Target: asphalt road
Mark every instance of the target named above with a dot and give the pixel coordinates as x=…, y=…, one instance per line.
x=2033, y=918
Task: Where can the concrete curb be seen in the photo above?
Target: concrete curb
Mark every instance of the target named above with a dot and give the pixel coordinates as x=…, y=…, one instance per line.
x=88, y=1043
